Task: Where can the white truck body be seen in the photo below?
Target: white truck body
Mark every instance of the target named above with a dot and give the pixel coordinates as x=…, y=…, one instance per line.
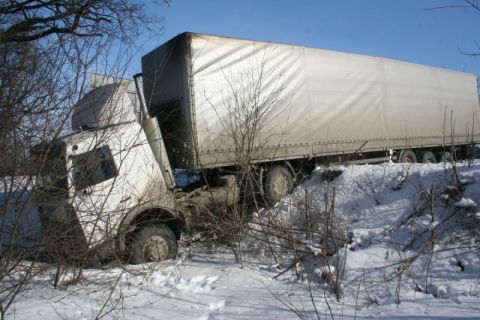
x=113, y=179
x=314, y=102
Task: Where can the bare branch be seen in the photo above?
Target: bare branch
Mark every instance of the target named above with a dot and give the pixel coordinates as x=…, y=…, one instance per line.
x=34, y=20
x=446, y=7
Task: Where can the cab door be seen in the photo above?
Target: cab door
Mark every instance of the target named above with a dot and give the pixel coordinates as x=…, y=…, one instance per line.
x=101, y=197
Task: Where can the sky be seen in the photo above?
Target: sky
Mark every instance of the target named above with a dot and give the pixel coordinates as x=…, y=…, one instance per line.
x=405, y=30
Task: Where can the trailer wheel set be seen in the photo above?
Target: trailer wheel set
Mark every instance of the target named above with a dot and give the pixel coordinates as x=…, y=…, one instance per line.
x=280, y=179
x=409, y=156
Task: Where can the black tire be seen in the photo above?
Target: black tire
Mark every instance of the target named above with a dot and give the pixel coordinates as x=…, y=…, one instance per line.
x=153, y=244
x=407, y=156
x=445, y=157
x=278, y=184
x=428, y=157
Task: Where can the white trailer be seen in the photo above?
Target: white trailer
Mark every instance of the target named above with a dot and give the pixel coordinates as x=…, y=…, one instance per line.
x=308, y=102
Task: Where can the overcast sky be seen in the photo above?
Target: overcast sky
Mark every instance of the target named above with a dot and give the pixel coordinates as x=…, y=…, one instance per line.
x=399, y=29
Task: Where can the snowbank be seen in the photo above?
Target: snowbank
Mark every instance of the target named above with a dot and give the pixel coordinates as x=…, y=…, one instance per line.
x=414, y=253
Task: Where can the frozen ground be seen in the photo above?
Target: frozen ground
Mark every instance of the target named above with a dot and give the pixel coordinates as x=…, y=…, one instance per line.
x=415, y=254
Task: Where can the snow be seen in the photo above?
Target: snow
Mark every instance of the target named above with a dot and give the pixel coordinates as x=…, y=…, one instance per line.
x=407, y=259
x=465, y=203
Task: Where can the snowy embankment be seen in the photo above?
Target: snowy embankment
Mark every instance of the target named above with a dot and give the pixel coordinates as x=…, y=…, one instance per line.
x=414, y=253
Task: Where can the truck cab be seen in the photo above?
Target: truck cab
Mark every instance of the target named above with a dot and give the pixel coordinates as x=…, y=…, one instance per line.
x=108, y=189
x=102, y=182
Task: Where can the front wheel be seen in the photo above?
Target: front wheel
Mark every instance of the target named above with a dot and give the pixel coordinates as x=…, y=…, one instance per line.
x=278, y=183
x=153, y=244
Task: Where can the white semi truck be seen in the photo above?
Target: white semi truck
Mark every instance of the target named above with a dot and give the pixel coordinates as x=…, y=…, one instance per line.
x=210, y=104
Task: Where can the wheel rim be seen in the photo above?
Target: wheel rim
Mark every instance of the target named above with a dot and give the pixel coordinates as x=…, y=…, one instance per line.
x=408, y=159
x=155, y=249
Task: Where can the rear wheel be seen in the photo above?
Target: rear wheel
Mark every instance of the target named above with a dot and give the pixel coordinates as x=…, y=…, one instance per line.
x=428, y=157
x=407, y=156
x=445, y=156
x=278, y=184
x=153, y=244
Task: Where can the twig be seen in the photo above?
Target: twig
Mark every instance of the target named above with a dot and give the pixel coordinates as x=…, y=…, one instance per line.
x=291, y=266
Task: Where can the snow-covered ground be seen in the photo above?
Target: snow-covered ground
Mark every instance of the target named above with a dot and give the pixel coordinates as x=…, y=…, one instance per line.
x=414, y=254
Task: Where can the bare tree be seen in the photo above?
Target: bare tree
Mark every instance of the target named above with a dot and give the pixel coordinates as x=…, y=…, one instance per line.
x=47, y=49
x=26, y=21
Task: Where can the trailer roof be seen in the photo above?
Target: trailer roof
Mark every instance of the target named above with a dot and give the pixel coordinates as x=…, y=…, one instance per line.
x=196, y=34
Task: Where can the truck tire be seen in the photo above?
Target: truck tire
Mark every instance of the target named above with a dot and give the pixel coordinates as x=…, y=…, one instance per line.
x=445, y=156
x=428, y=157
x=408, y=156
x=153, y=244
x=278, y=183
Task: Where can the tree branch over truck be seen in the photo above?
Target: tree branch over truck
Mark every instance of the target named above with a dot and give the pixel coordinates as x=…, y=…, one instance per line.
x=26, y=21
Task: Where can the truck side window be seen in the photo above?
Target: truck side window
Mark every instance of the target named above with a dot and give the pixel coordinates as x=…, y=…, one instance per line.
x=93, y=167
